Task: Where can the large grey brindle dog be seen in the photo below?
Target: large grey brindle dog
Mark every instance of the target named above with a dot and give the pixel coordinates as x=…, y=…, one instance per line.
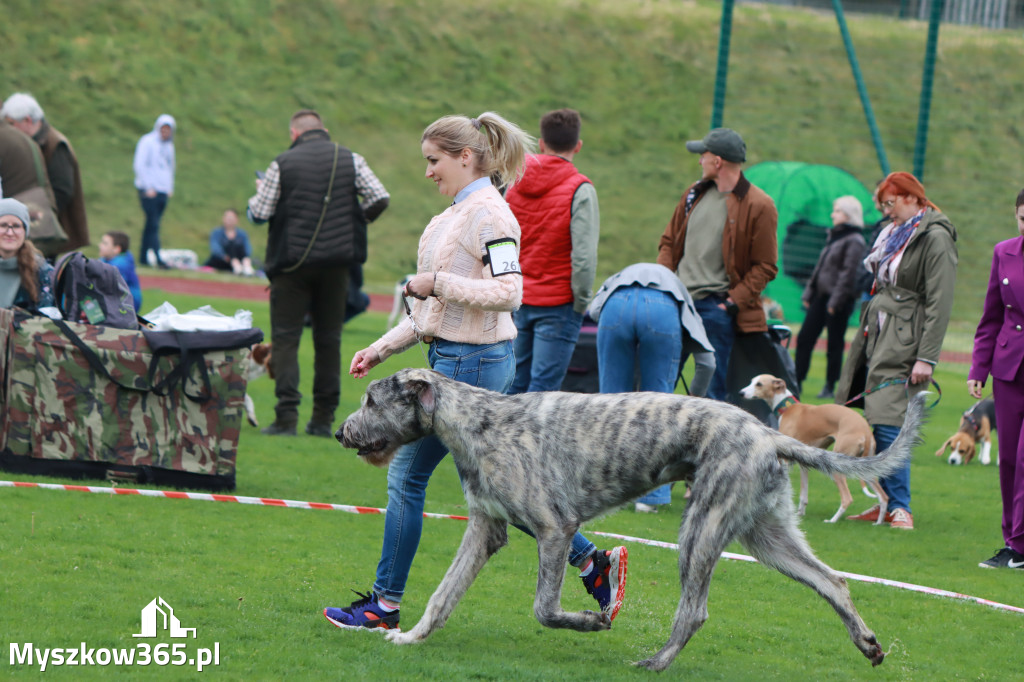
x=551, y=461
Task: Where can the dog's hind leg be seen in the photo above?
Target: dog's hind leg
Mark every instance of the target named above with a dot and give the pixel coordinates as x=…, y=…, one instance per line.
x=777, y=542
x=552, y=549
x=484, y=536
x=702, y=539
x=845, y=498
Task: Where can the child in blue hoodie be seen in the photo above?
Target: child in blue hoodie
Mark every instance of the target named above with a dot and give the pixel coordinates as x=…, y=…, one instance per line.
x=114, y=247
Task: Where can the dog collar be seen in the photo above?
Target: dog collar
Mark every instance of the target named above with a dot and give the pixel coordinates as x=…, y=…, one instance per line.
x=784, y=404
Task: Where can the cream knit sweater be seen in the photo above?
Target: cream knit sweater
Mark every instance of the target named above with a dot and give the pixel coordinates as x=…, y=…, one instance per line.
x=470, y=305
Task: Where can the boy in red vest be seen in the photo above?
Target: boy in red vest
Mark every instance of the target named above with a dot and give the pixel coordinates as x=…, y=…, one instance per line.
x=556, y=207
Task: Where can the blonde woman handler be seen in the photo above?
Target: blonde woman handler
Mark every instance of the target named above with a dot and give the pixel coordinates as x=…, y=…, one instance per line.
x=463, y=311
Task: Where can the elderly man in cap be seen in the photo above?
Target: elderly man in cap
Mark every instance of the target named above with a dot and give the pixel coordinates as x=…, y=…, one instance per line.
x=721, y=243
x=23, y=112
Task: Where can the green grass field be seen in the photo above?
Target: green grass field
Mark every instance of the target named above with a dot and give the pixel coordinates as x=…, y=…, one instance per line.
x=641, y=72
x=78, y=568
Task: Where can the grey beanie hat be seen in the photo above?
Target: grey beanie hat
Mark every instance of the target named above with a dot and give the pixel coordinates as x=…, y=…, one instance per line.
x=17, y=209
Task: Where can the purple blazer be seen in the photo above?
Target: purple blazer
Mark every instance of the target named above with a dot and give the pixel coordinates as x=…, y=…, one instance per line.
x=999, y=341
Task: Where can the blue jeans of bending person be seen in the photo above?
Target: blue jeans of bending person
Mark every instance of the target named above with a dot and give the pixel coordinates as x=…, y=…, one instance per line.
x=547, y=337
x=896, y=486
x=718, y=324
x=639, y=328
x=489, y=366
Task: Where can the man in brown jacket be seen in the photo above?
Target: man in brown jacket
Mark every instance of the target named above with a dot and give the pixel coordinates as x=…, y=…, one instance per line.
x=23, y=112
x=721, y=242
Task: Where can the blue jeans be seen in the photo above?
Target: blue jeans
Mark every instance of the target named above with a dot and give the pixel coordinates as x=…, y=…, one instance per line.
x=719, y=327
x=897, y=486
x=640, y=327
x=153, y=208
x=486, y=366
x=544, y=346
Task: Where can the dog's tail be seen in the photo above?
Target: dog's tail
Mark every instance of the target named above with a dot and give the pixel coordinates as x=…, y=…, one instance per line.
x=865, y=468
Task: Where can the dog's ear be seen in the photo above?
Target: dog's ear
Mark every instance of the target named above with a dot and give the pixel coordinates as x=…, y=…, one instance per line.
x=424, y=393
x=260, y=351
x=778, y=385
x=941, y=451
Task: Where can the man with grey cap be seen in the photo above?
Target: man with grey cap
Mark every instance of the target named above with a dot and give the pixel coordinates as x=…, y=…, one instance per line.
x=24, y=273
x=721, y=242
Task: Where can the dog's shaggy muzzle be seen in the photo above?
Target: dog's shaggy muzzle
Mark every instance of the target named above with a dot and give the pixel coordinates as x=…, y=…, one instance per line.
x=376, y=430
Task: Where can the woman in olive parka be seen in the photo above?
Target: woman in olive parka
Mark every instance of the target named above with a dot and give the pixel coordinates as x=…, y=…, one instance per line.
x=903, y=324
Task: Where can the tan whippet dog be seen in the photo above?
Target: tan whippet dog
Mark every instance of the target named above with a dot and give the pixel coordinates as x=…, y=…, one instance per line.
x=819, y=425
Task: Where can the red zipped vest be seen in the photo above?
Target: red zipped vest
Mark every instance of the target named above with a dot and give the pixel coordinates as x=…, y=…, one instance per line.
x=542, y=203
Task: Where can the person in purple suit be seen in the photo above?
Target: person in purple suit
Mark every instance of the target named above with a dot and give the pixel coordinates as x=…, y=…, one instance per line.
x=999, y=351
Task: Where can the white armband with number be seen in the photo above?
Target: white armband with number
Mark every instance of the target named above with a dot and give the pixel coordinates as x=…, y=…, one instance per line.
x=502, y=257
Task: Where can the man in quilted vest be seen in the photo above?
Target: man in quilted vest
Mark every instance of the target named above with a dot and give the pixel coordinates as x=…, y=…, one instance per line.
x=556, y=207
x=311, y=195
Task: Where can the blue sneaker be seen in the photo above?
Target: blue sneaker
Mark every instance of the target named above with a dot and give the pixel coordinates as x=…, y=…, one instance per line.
x=363, y=614
x=607, y=581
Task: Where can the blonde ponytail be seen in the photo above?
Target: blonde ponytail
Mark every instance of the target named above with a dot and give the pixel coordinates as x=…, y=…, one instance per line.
x=499, y=146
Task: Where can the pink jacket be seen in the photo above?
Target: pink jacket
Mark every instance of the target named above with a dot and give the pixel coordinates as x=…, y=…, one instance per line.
x=999, y=340
x=470, y=305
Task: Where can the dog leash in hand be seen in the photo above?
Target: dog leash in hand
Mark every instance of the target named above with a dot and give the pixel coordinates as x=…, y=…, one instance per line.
x=891, y=382
x=415, y=329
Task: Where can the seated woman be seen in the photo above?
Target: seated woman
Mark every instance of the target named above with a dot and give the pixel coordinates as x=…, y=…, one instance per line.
x=25, y=276
x=230, y=249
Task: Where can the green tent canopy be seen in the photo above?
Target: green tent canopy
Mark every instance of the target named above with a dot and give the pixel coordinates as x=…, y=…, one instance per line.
x=803, y=194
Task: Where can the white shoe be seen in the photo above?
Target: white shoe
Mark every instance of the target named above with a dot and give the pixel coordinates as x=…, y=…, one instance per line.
x=646, y=508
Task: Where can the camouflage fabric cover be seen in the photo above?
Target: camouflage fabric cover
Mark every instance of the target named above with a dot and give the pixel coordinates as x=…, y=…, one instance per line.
x=58, y=408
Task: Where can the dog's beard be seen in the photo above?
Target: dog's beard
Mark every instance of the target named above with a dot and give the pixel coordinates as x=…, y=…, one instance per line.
x=379, y=454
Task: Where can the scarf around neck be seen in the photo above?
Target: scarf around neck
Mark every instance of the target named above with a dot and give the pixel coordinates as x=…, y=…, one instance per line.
x=10, y=281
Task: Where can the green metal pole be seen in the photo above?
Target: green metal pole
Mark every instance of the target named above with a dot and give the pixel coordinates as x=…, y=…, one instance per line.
x=862, y=90
x=724, y=35
x=927, y=80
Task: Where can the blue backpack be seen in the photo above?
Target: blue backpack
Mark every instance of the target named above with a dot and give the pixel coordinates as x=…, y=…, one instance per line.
x=90, y=291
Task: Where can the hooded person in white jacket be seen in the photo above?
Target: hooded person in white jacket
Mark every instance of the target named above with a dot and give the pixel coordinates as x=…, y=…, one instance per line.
x=154, y=179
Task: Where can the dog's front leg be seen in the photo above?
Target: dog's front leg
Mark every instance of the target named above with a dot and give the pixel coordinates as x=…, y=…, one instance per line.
x=250, y=410
x=803, y=491
x=986, y=452
x=484, y=536
x=552, y=549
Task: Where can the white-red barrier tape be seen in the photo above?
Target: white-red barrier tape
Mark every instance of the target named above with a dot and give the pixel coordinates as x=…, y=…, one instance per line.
x=208, y=497
x=849, y=576
x=295, y=504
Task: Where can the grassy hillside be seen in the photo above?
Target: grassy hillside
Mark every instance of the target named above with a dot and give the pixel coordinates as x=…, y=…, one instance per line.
x=640, y=71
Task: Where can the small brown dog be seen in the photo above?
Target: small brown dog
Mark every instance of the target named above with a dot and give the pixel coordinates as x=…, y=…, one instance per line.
x=819, y=425
x=976, y=426
x=257, y=365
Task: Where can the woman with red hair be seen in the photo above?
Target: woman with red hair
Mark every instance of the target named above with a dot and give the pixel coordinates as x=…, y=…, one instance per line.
x=902, y=325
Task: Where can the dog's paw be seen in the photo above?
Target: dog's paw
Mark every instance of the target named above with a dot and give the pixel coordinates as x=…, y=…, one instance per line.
x=399, y=637
x=595, y=620
x=654, y=663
